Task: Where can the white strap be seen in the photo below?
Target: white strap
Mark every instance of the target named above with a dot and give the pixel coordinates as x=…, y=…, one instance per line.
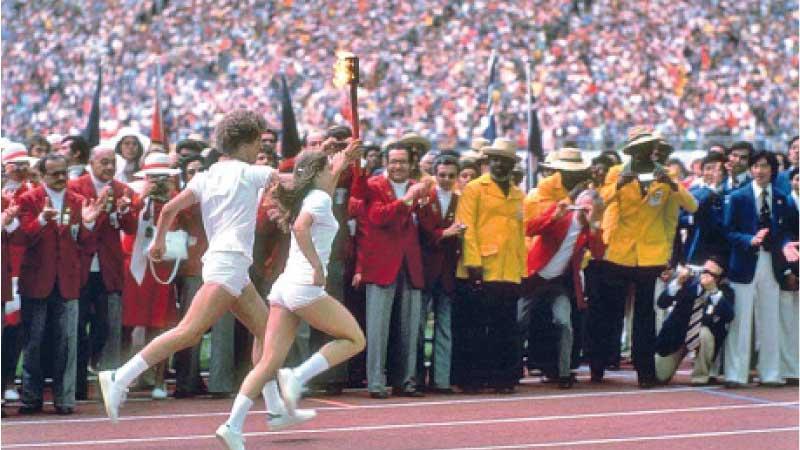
x=171, y=275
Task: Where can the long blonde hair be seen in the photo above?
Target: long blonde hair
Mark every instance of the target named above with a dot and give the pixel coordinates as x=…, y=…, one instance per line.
x=308, y=165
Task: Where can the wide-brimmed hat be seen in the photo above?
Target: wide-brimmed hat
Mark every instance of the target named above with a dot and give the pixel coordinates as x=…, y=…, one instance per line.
x=502, y=147
x=128, y=131
x=639, y=136
x=417, y=140
x=569, y=159
x=156, y=164
x=549, y=160
x=14, y=152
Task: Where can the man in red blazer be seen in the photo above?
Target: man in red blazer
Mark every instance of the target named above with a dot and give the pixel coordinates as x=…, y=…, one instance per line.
x=390, y=261
x=554, y=265
x=56, y=226
x=440, y=252
x=103, y=270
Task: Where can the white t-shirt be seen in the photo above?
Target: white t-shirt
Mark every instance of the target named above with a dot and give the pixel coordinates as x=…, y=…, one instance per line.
x=323, y=230
x=228, y=196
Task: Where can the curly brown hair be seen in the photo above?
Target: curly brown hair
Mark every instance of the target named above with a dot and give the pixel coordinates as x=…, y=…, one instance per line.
x=239, y=127
x=308, y=164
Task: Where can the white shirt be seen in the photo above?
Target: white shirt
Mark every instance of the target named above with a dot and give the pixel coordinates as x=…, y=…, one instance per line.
x=796, y=199
x=399, y=189
x=323, y=229
x=558, y=263
x=57, y=200
x=228, y=197
x=757, y=192
x=444, y=200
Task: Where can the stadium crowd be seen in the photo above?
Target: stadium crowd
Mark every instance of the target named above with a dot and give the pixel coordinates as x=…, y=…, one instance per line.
x=722, y=68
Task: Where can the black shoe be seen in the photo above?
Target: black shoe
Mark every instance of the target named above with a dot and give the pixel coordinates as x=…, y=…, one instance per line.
x=792, y=382
x=597, y=376
x=647, y=383
x=470, y=390
x=334, y=389
x=64, y=410
x=443, y=391
x=30, y=409
x=409, y=392
x=771, y=384
x=182, y=394
x=567, y=382
x=733, y=385
x=380, y=395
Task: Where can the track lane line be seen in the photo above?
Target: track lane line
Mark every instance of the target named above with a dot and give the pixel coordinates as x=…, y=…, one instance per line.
x=482, y=401
x=601, y=415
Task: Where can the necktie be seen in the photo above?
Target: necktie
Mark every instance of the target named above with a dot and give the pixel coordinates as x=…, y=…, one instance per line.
x=693, y=334
x=764, y=216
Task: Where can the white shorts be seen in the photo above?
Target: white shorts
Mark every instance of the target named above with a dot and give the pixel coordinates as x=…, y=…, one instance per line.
x=293, y=296
x=228, y=269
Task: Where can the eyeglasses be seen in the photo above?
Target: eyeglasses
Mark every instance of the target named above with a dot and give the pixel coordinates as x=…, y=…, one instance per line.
x=57, y=173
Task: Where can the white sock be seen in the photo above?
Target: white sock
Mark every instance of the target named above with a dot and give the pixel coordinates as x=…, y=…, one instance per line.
x=272, y=398
x=241, y=405
x=125, y=375
x=312, y=367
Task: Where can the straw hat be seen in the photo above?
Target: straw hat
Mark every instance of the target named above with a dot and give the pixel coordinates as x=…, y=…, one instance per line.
x=549, y=160
x=641, y=135
x=502, y=147
x=416, y=140
x=478, y=143
x=569, y=159
x=156, y=164
x=14, y=152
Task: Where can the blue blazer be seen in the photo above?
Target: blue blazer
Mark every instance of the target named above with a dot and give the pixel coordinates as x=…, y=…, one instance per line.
x=741, y=224
x=783, y=182
x=673, y=333
x=706, y=235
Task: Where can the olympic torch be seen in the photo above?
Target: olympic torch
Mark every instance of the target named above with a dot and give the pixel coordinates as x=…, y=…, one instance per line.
x=345, y=72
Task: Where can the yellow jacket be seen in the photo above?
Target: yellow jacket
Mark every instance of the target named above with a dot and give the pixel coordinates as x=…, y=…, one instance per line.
x=639, y=230
x=494, y=236
x=549, y=191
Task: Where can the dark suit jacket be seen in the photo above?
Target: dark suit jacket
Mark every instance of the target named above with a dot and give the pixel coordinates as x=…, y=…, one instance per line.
x=439, y=256
x=741, y=224
x=706, y=235
x=673, y=333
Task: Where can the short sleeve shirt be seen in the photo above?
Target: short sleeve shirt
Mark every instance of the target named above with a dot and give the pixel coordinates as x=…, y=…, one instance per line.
x=323, y=230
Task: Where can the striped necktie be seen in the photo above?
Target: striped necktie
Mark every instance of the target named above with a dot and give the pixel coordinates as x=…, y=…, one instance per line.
x=693, y=334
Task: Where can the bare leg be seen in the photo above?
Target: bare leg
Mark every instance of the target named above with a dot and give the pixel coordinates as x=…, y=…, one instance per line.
x=208, y=305
x=251, y=310
x=332, y=318
x=281, y=327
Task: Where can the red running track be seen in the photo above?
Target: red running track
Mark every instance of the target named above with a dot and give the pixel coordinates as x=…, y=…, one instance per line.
x=612, y=415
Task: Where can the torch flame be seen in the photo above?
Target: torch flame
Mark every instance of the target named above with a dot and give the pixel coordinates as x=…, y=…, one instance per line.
x=341, y=70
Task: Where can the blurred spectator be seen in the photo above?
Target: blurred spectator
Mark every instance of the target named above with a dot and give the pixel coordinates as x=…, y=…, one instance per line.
x=38, y=146
x=76, y=150
x=706, y=235
x=737, y=165
x=784, y=180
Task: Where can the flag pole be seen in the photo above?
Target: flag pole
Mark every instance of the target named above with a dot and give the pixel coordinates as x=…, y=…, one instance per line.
x=530, y=176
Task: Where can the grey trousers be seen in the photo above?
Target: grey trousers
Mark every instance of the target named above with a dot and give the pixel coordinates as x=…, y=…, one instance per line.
x=187, y=361
x=558, y=298
x=59, y=317
x=222, y=361
x=380, y=300
x=111, y=356
x=441, y=304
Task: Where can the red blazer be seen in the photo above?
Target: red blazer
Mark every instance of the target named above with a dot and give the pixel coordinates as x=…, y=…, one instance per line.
x=552, y=234
x=107, y=237
x=17, y=249
x=53, y=252
x=5, y=260
x=439, y=256
x=390, y=237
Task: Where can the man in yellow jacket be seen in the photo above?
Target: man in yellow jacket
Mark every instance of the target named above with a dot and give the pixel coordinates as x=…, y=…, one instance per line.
x=486, y=346
x=639, y=227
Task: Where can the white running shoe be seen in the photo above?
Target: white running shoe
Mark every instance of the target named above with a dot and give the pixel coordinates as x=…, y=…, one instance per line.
x=11, y=395
x=113, y=395
x=279, y=422
x=290, y=389
x=231, y=439
x=159, y=393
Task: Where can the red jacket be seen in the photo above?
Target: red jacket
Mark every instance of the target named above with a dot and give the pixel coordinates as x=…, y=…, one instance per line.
x=552, y=232
x=439, y=256
x=390, y=237
x=5, y=260
x=53, y=252
x=107, y=237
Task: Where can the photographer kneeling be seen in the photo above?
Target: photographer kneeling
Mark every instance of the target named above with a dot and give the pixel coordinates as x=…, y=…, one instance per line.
x=703, y=306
